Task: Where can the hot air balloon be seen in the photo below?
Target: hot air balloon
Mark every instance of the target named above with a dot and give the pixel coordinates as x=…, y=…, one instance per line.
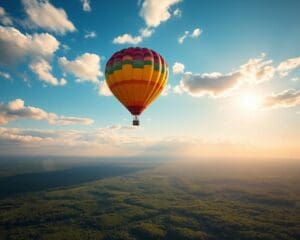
x=136, y=77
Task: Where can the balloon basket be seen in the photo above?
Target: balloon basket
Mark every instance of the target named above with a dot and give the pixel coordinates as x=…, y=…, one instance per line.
x=136, y=121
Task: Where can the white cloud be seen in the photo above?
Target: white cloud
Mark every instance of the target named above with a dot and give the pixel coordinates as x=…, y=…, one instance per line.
x=16, y=136
x=86, y=67
x=5, y=75
x=146, y=32
x=91, y=34
x=286, y=98
x=285, y=67
x=155, y=13
x=178, y=68
x=179, y=89
x=63, y=120
x=16, y=109
x=215, y=84
x=43, y=70
x=126, y=141
x=5, y=19
x=86, y=5
x=177, y=12
x=166, y=91
x=14, y=45
x=44, y=15
x=257, y=70
x=196, y=33
x=65, y=47
x=254, y=71
x=183, y=37
x=104, y=89
x=127, y=39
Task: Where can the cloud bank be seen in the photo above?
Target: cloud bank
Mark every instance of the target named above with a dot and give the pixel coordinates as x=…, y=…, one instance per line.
x=286, y=98
x=16, y=109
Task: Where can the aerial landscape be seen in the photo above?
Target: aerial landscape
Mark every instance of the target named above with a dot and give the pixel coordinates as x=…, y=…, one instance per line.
x=149, y=119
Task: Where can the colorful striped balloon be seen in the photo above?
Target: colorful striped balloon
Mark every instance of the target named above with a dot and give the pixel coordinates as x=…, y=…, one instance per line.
x=136, y=76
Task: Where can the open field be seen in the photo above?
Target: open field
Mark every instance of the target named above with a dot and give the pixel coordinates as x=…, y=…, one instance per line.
x=149, y=200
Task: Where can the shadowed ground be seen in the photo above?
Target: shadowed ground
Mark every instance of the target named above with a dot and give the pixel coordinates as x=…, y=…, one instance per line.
x=31, y=182
x=210, y=200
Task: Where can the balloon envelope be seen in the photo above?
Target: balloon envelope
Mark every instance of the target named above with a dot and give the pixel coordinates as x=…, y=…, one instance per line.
x=136, y=77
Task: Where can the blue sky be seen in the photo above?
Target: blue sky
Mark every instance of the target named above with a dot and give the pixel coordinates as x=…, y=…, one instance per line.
x=236, y=84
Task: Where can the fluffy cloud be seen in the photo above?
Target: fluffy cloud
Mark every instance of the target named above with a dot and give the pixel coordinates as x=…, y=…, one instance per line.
x=166, y=91
x=154, y=14
x=178, y=68
x=86, y=5
x=146, y=32
x=14, y=45
x=5, y=19
x=183, y=37
x=196, y=33
x=44, y=15
x=104, y=89
x=286, y=98
x=177, y=12
x=91, y=34
x=254, y=71
x=215, y=84
x=285, y=67
x=86, y=67
x=16, y=109
x=43, y=70
x=5, y=75
x=179, y=89
x=257, y=70
x=127, y=39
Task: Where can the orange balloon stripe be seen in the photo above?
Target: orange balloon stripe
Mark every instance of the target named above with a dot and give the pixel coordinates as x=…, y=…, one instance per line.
x=140, y=86
x=160, y=84
x=163, y=82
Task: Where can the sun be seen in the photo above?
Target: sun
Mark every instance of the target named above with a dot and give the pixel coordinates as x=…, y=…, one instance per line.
x=250, y=101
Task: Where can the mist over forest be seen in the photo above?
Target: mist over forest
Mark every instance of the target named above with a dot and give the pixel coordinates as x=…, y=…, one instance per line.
x=111, y=198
